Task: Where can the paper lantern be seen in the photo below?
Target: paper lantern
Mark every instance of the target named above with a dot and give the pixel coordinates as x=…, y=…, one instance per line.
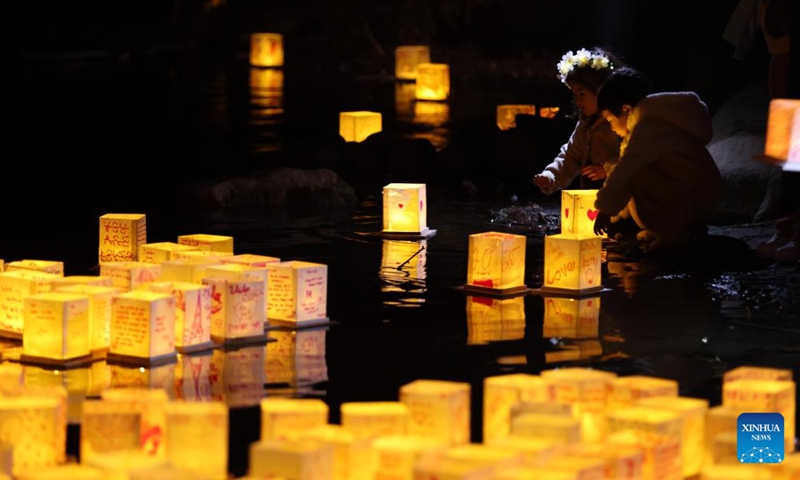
x=134, y=376
x=151, y=405
x=407, y=58
x=507, y=115
x=370, y=420
x=496, y=262
x=747, y=372
x=99, y=312
x=46, y=266
x=187, y=270
x=719, y=420
x=236, y=376
x=661, y=456
x=31, y=425
x=535, y=451
x=495, y=320
x=578, y=212
x=298, y=294
x=129, y=276
x=2, y=265
x=764, y=396
x=192, y=314
x=431, y=114
x=62, y=472
x=560, y=429
x=405, y=209
x=693, y=414
x=56, y=328
x=192, y=378
x=71, y=280
x=161, y=252
x=585, y=388
x=357, y=126
x=266, y=50
x=500, y=393
x=143, y=327
x=197, y=437
x=439, y=410
x=202, y=254
x=296, y=358
x=626, y=391
x=250, y=260
x=120, y=236
x=238, y=270
x=477, y=457
x=352, y=457
x=783, y=131
x=396, y=456
x=14, y=287
x=548, y=112
x=286, y=418
x=571, y=317
x=433, y=81
x=572, y=263
x=108, y=427
x=237, y=308
x=206, y=242
x=620, y=462
x=295, y=459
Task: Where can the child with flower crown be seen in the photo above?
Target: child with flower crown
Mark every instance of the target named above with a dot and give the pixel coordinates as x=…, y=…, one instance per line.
x=593, y=148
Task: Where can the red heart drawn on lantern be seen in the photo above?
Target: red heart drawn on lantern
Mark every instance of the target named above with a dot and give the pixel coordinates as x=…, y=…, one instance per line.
x=420, y=204
x=399, y=205
x=592, y=214
x=566, y=212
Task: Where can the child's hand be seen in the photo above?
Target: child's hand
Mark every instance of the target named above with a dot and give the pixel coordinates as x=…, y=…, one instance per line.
x=594, y=172
x=542, y=181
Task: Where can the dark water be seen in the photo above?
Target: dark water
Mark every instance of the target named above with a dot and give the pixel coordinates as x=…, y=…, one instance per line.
x=119, y=138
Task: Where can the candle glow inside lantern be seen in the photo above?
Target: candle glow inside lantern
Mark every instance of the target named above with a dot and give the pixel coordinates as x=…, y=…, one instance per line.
x=237, y=308
x=357, y=126
x=783, y=132
x=14, y=287
x=298, y=294
x=405, y=209
x=288, y=418
x=266, y=50
x=587, y=390
x=370, y=420
x=496, y=262
x=693, y=412
x=237, y=375
x=352, y=457
x=577, y=211
x=501, y=393
x=197, y=437
x=572, y=263
x=129, y=276
x=192, y=314
x=748, y=372
x=507, y=115
x=120, y=236
x=576, y=318
x=31, y=425
x=295, y=459
x=495, y=319
x=99, y=312
x=143, y=327
x=433, y=81
x=251, y=260
x=161, y=252
x=297, y=357
x=108, y=427
x=439, y=410
x=207, y=242
x=47, y=266
x=407, y=58
x=238, y=270
x=56, y=328
x=763, y=396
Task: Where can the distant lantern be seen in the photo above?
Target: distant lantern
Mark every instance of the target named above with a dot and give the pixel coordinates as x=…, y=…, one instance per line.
x=129, y=276
x=120, y=236
x=99, y=313
x=298, y=294
x=495, y=319
x=357, y=126
x=405, y=210
x=577, y=211
x=192, y=314
x=507, y=115
x=56, y=328
x=208, y=242
x=496, y=262
x=236, y=270
x=266, y=50
x=571, y=317
x=548, y=112
x=407, y=58
x=143, y=327
x=572, y=262
x=14, y=287
x=237, y=308
x=197, y=437
x=300, y=459
x=433, y=81
x=161, y=252
x=439, y=409
x=624, y=392
x=47, y=266
x=150, y=404
x=288, y=418
x=750, y=372
x=586, y=389
x=783, y=132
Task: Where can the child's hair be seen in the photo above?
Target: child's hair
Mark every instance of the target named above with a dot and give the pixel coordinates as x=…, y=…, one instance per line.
x=588, y=68
x=625, y=86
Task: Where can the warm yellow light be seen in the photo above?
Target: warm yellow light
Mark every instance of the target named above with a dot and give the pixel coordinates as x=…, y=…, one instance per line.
x=739, y=472
x=407, y=58
x=430, y=114
x=249, y=259
x=197, y=437
x=495, y=320
x=143, y=325
x=369, y=420
x=208, y=243
x=577, y=211
x=405, y=208
x=56, y=326
x=161, y=252
x=756, y=396
x=783, y=131
x=396, y=456
x=507, y=115
x=625, y=392
x=61, y=472
x=433, y=81
x=190, y=270
x=500, y=393
x=150, y=404
x=548, y=112
x=99, y=312
x=693, y=413
x=290, y=459
x=357, y=126
x=14, y=287
x=237, y=376
x=286, y=418
x=129, y=276
x=192, y=378
x=620, y=462
x=31, y=425
x=661, y=455
x=572, y=262
x=587, y=390
x=439, y=410
x=121, y=465
x=296, y=357
x=266, y=49
x=202, y=254
x=404, y=95
x=71, y=280
x=403, y=267
x=496, y=261
x=298, y=293
x=237, y=307
x=47, y=266
x=237, y=270
x=108, y=427
x=124, y=375
x=644, y=419
x=571, y=317
x=353, y=458
x=719, y=421
x=535, y=451
x=560, y=429
x=120, y=236
x=748, y=372
x=266, y=94
x=192, y=313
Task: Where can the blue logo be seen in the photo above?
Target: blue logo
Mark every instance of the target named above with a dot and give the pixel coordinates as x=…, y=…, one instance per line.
x=760, y=438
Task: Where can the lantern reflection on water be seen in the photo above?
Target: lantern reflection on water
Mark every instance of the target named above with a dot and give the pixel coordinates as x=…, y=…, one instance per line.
x=236, y=376
x=431, y=114
x=507, y=115
x=407, y=58
x=403, y=272
x=197, y=437
x=404, y=95
x=193, y=377
x=297, y=359
x=266, y=109
x=495, y=320
x=161, y=377
x=571, y=317
x=266, y=50
x=76, y=381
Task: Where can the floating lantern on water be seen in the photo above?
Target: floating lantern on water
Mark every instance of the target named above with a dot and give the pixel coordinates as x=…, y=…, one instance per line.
x=251, y=260
x=496, y=263
x=572, y=263
x=15, y=286
x=577, y=211
x=208, y=243
x=370, y=420
x=287, y=418
x=433, y=81
x=56, y=329
x=571, y=317
x=500, y=393
x=266, y=50
x=748, y=372
x=238, y=270
x=587, y=390
x=407, y=58
x=192, y=314
x=99, y=297
x=693, y=413
x=301, y=459
x=120, y=236
x=357, y=126
x=560, y=429
x=495, y=319
x=507, y=115
x=405, y=211
x=783, y=133
x=129, y=276
x=150, y=404
x=298, y=294
x=764, y=396
x=397, y=456
x=161, y=252
x=624, y=392
x=197, y=437
x=47, y=266
x=621, y=462
x=237, y=308
x=143, y=327
x=440, y=410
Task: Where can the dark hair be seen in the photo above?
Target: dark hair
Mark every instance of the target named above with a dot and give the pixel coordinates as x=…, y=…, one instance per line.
x=624, y=86
x=592, y=78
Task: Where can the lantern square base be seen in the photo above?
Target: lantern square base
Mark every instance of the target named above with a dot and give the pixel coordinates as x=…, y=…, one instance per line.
x=494, y=292
x=197, y=347
x=563, y=292
x=421, y=235
x=261, y=339
x=301, y=324
x=76, y=362
x=125, y=360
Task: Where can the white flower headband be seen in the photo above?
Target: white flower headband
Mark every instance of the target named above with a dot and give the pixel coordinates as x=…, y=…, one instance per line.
x=584, y=58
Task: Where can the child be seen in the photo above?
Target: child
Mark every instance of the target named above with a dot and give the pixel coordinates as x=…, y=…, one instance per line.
x=592, y=148
x=665, y=174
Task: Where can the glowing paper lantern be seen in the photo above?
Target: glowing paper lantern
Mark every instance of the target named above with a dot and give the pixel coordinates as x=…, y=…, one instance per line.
x=758, y=373
x=161, y=252
x=71, y=280
x=266, y=49
x=47, y=266
x=507, y=115
x=620, y=462
x=719, y=420
x=238, y=270
x=357, y=126
x=693, y=413
x=202, y=254
x=397, y=455
x=560, y=429
x=192, y=314
x=626, y=391
x=31, y=425
x=477, y=457
x=298, y=294
x=14, y=287
x=287, y=418
x=150, y=404
x=661, y=458
x=206, y=242
x=433, y=81
x=407, y=58
x=129, y=276
x=577, y=211
x=56, y=328
x=295, y=459
x=572, y=263
x=587, y=390
x=187, y=270
x=548, y=112
x=439, y=410
x=99, y=312
x=783, y=132
x=108, y=427
x=571, y=317
x=405, y=209
x=143, y=326
x=495, y=320
x=197, y=437
x=120, y=236
x=500, y=393
x=192, y=378
x=251, y=260
x=236, y=376
x=757, y=396
x=352, y=457
x=496, y=262
x=369, y=420
x=237, y=308
x=296, y=357
x=535, y=451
